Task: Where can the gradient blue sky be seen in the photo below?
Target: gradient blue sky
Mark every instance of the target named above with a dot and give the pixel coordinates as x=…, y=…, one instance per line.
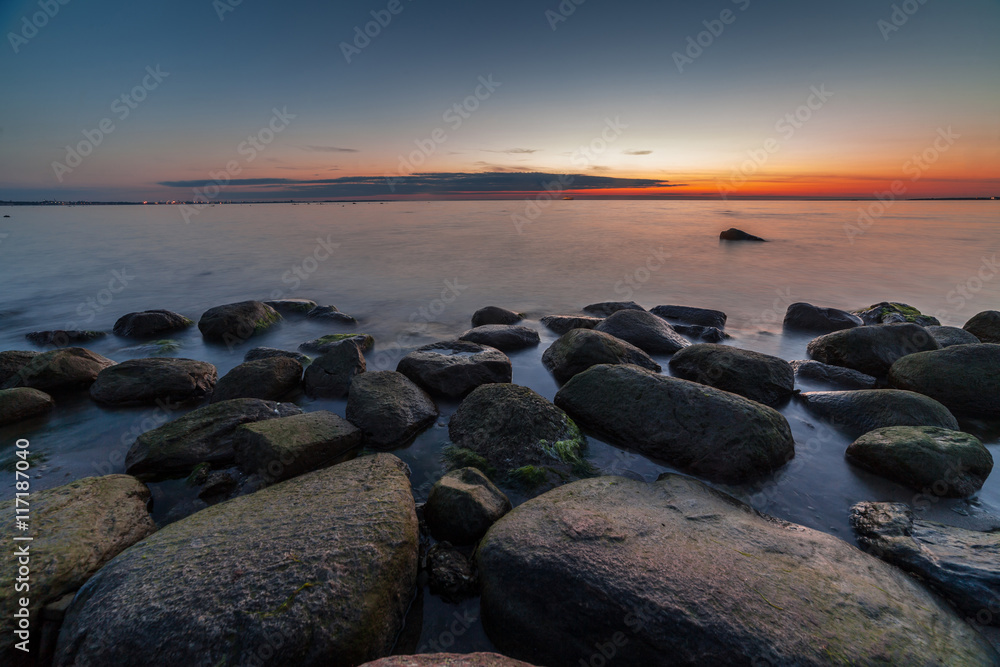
x=690, y=130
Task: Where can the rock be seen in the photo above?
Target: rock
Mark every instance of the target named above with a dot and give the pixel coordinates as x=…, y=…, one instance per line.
x=236, y=323
x=837, y=376
x=205, y=435
x=12, y=361
x=23, y=403
x=759, y=377
x=325, y=344
x=279, y=449
x=965, y=378
x=330, y=313
x=606, y=308
x=733, y=234
x=267, y=379
x=389, y=409
x=676, y=572
x=83, y=525
x=495, y=315
x=985, y=326
x=59, y=370
x=463, y=505
x=271, y=352
x=858, y=412
x=331, y=374
x=949, y=336
x=512, y=427
x=299, y=306
x=450, y=575
x=448, y=660
x=646, y=331
x=219, y=485
x=707, y=334
x=146, y=381
x=894, y=313
x=702, y=317
x=150, y=323
x=807, y=317
x=563, y=323
x=454, y=368
x=871, y=349
x=504, y=337
x=62, y=338
x=317, y=570
x=963, y=566
x=951, y=464
x=579, y=349
x=712, y=433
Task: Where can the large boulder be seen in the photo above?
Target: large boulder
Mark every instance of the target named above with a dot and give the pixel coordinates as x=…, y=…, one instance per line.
x=963, y=566
x=448, y=660
x=78, y=528
x=759, y=377
x=146, y=381
x=733, y=234
x=317, y=570
x=205, y=435
x=965, y=378
x=564, y=323
x=65, y=369
x=985, y=326
x=454, y=368
x=150, y=323
x=495, y=315
x=606, y=308
x=235, y=323
x=946, y=463
x=506, y=337
x=23, y=403
x=709, y=432
x=949, y=336
x=676, y=573
x=871, y=349
x=463, y=505
x=267, y=379
x=835, y=376
x=331, y=374
x=894, y=313
x=579, y=349
x=807, y=317
x=646, y=331
x=864, y=410
x=389, y=408
x=703, y=317
x=12, y=361
x=279, y=449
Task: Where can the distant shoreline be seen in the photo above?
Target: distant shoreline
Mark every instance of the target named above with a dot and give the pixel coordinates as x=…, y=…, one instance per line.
x=394, y=201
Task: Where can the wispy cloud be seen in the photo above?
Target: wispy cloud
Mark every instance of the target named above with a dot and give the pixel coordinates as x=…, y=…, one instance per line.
x=515, y=151
x=328, y=149
x=635, y=152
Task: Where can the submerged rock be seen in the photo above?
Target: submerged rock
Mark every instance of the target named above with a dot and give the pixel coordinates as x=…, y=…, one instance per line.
x=150, y=323
x=64, y=369
x=836, y=376
x=871, y=349
x=463, y=505
x=759, y=377
x=985, y=326
x=504, y=337
x=564, y=323
x=23, y=403
x=331, y=374
x=807, y=317
x=864, y=410
x=677, y=573
x=606, y=308
x=712, y=433
x=965, y=378
x=297, y=306
x=733, y=234
x=330, y=313
x=271, y=352
x=146, y=381
x=646, y=331
x=236, y=323
x=267, y=379
x=12, y=361
x=62, y=338
x=949, y=336
x=495, y=315
x=324, y=344
x=317, y=570
x=579, y=349
x=894, y=313
x=454, y=368
x=389, y=408
x=703, y=317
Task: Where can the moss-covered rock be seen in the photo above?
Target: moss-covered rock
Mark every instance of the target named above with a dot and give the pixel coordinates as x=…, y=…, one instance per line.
x=871, y=349
x=462, y=506
x=23, y=403
x=151, y=380
x=864, y=410
x=236, y=323
x=579, y=349
x=965, y=378
x=888, y=312
x=268, y=379
x=65, y=369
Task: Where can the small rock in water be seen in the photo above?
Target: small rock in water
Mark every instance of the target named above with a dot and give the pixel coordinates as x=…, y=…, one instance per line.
x=864, y=410
x=707, y=334
x=331, y=374
x=965, y=378
x=330, y=313
x=150, y=323
x=871, y=349
x=606, y=308
x=268, y=379
x=23, y=403
x=894, y=313
x=759, y=377
x=65, y=369
x=807, y=317
x=703, y=317
x=733, y=234
x=61, y=338
x=985, y=326
x=299, y=306
x=455, y=368
x=463, y=505
x=646, y=331
x=12, y=361
x=579, y=349
x=146, y=381
x=324, y=344
x=564, y=323
x=450, y=574
x=495, y=315
x=271, y=352
x=389, y=408
x=837, y=377
x=236, y=323
x=506, y=337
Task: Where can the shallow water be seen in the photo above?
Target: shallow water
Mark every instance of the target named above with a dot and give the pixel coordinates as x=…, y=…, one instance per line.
x=414, y=273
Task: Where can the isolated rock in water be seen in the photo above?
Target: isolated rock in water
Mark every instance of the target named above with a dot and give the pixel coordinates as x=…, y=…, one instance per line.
x=330, y=313
x=675, y=572
x=564, y=323
x=331, y=374
x=278, y=449
x=965, y=378
x=65, y=369
x=712, y=433
x=389, y=408
x=495, y=315
x=733, y=234
x=871, y=349
x=504, y=337
x=235, y=323
x=266, y=379
x=579, y=349
x=146, y=381
x=463, y=505
x=702, y=317
x=23, y=403
x=205, y=435
x=807, y=317
x=759, y=377
x=271, y=352
x=12, y=361
x=985, y=326
x=150, y=323
x=62, y=338
x=946, y=463
x=864, y=410
x=707, y=334
x=448, y=660
x=299, y=306
x=894, y=313
x=512, y=426
x=646, y=331
x=963, y=566
x=606, y=308
x=454, y=368
x=317, y=570
x=835, y=376
x=84, y=524
x=324, y=344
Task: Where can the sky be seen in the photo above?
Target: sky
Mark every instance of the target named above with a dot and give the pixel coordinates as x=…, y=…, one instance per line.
x=217, y=100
